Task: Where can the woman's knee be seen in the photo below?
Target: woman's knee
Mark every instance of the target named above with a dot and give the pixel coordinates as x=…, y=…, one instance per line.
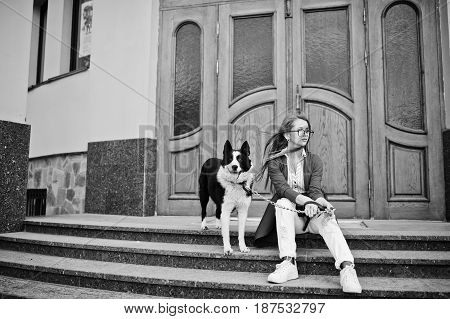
x=284, y=215
x=328, y=226
x=285, y=203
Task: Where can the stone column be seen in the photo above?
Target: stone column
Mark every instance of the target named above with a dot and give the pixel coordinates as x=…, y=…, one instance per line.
x=121, y=177
x=14, y=151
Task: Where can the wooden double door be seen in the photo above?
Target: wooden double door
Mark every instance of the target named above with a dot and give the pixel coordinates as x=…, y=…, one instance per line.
x=364, y=72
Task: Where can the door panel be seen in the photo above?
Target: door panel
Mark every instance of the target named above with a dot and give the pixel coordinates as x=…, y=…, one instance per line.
x=333, y=142
x=407, y=173
x=326, y=52
x=251, y=81
x=186, y=109
x=407, y=157
x=329, y=70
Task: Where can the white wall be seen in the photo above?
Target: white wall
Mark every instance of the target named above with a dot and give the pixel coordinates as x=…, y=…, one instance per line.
x=58, y=114
x=123, y=85
x=15, y=39
x=115, y=96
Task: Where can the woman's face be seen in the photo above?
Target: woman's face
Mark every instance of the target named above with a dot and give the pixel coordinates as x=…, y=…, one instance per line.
x=299, y=136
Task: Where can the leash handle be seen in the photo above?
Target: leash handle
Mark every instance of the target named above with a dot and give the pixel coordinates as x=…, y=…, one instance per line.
x=321, y=208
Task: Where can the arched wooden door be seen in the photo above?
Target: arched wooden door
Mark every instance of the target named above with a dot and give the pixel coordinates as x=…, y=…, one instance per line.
x=222, y=76
x=329, y=78
x=252, y=79
x=186, y=110
x=365, y=72
x=408, y=179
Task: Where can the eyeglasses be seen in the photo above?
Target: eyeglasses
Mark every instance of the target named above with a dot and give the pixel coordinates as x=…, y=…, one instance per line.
x=302, y=132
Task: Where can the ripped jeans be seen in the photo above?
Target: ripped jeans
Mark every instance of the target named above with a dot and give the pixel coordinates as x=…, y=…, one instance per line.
x=289, y=224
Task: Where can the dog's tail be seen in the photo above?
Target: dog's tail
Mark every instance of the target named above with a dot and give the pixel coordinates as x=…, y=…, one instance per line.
x=209, y=169
x=203, y=193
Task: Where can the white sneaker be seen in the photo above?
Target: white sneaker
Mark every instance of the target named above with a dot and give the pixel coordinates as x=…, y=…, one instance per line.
x=349, y=280
x=283, y=272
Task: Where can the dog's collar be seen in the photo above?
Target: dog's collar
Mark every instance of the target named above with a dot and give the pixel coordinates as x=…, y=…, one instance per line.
x=242, y=183
x=235, y=182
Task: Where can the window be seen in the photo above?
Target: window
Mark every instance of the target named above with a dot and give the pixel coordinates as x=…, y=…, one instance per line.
x=41, y=46
x=188, y=79
x=253, y=47
x=81, y=34
x=39, y=29
x=64, y=46
x=403, y=68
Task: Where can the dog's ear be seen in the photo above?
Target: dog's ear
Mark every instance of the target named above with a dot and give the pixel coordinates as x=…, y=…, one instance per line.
x=245, y=148
x=227, y=148
x=227, y=151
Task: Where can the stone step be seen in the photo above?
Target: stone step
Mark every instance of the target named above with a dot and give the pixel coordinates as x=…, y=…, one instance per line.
x=198, y=283
x=357, y=237
x=370, y=263
x=18, y=288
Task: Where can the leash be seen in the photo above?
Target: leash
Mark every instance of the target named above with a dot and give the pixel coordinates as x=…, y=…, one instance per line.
x=322, y=209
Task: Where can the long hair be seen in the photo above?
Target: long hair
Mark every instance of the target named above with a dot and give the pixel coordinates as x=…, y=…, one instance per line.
x=278, y=142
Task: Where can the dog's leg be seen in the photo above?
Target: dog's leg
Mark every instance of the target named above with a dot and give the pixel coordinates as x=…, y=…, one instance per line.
x=219, y=195
x=225, y=219
x=242, y=215
x=204, y=198
x=218, y=214
x=204, y=226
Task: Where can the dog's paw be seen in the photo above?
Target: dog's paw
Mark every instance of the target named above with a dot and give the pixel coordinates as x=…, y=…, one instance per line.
x=204, y=226
x=218, y=224
x=227, y=251
x=244, y=249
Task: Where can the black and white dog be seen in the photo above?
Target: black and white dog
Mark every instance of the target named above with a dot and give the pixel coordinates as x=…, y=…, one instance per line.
x=225, y=181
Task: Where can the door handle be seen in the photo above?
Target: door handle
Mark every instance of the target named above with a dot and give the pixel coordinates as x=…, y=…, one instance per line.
x=298, y=98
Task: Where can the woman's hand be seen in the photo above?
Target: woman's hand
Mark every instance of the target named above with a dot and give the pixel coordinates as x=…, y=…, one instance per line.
x=311, y=210
x=322, y=201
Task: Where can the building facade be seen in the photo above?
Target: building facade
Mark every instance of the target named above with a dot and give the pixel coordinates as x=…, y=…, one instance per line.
x=125, y=100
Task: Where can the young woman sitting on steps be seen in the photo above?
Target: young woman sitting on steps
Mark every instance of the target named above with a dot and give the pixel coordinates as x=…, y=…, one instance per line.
x=296, y=176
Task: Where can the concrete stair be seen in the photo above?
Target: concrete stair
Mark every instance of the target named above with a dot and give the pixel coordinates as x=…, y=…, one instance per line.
x=171, y=257
x=171, y=232
x=387, y=263
x=197, y=283
x=16, y=288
